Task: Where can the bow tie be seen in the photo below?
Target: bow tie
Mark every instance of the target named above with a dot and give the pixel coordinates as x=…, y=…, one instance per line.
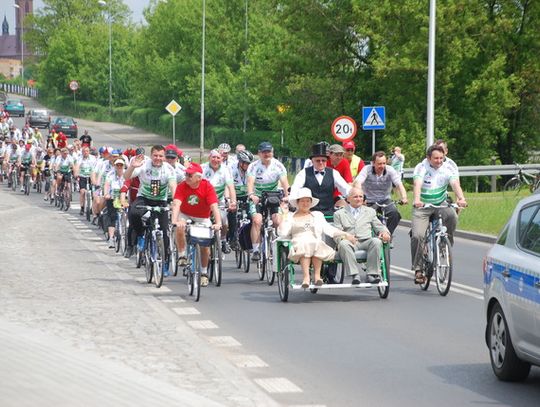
x=319, y=172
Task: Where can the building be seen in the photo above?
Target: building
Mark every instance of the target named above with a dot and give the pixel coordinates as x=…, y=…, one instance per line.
x=12, y=46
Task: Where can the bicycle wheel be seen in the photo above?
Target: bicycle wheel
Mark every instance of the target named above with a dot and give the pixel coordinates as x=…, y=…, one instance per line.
x=173, y=253
x=197, y=273
x=427, y=267
x=88, y=204
x=269, y=260
x=67, y=197
x=39, y=184
x=148, y=267
x=443, y=265
x=513, y=184
x=238, y=257
x=159, y=258
x=117, y=239
x=217, y=262
x=13, y=181
x=283, y=274
x=385, y=271
x=246, y=260
x=26, y=184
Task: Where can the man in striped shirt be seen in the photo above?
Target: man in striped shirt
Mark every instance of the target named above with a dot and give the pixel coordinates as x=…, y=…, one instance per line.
x=431, y=178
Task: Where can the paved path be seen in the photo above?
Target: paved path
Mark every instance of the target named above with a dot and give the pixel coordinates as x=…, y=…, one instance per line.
x=78, y=327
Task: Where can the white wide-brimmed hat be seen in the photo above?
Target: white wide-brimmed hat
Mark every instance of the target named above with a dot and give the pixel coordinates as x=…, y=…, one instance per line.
x=303, y=193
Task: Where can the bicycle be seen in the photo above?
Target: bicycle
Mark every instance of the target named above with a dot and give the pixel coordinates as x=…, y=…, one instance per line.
x=13, y=180
x=437, y=253
x=522, y=178
x=269, y=200
x=120, y=230
x=215, y=265
x=26, y=180
x=63, y=193
x=197, y=236
x=39, y=181
x=154, y=247
x=242, y=238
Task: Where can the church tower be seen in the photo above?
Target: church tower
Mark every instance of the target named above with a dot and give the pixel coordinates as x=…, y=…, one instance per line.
x=5, y=26
x=25, y=7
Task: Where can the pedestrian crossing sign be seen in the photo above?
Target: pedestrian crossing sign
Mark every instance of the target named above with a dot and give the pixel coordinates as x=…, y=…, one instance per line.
x=373, y=118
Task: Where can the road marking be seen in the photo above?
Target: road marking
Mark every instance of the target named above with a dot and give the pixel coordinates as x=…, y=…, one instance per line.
x=248, y=361
x=186, y=311
x=203, y=324
x=463, y=289
x=162, y=289
x=223, y=341
x=278, y=385
x=171, y=300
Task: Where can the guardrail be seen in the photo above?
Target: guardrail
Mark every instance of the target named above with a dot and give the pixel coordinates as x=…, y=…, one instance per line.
x=486, y=170
x=19, y=90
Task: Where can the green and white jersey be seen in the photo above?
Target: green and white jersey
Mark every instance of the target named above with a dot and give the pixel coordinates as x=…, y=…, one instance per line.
x=65, y=164
x=240, y=182
x=219, y=178
x=434, y=181
x=86, y=165
x=40, y=159
x=154, y=180
x=27, y=157
x=115, y=182
x=102, y=169
x=266, y=178
x=14, y=155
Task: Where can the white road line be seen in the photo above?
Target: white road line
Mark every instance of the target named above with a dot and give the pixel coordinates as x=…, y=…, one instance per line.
x=248, y=361
x=171, y=300
x=162, y=289
x=464, y=289
x=223, y=341
x=278, y=385
x=202, y=324
x=186, y=311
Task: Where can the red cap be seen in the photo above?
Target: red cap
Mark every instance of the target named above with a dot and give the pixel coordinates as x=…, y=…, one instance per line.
x=193, y=168
x=349, y=145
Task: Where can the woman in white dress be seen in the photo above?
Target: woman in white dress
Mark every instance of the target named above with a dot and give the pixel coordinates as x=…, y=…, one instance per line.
x=305, y=229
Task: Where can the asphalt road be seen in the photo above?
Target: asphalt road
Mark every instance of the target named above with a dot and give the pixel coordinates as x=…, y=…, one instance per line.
x=349, y=347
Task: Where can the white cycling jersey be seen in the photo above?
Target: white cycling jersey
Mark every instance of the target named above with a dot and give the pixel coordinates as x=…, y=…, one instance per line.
x=266, y=177
x=219, y=178
x=434, y=181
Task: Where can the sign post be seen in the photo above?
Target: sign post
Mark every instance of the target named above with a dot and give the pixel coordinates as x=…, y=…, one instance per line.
x=373, y=118
x=173, y=108
x=344, y=128
x=74, y=85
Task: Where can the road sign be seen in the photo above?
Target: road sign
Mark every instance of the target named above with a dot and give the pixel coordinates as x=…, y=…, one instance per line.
x=344, y=128
x=373, y=118
x=74, y=85
x=173, y=107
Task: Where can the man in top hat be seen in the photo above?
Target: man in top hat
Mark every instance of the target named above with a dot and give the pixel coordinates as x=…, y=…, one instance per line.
x=321, y=180
x=355, y=162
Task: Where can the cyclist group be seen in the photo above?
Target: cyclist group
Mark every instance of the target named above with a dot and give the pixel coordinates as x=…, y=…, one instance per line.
x=335, y=181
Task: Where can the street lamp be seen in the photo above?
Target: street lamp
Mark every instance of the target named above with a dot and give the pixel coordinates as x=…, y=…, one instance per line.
x=105, y=4
x=202, y=76
x=431, y=75
x=22, y=45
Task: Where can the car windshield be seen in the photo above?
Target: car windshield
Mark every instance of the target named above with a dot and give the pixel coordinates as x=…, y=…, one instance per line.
x=64, y=121
x=14, y=102
x=39, y=113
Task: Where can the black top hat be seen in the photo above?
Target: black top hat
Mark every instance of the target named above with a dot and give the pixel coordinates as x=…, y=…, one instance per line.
x=318, y=150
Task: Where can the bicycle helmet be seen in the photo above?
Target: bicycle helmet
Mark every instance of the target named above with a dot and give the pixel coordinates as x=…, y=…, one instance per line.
x=245, y=157
x=116, y=151
x=102, y=149
x=224, y=147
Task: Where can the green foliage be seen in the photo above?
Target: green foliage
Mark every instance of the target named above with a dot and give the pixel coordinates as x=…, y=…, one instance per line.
x=318, y=59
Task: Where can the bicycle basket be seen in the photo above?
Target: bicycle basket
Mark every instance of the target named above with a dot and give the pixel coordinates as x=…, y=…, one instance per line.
x=244, y=237
x=200, y=235
x=272, y=198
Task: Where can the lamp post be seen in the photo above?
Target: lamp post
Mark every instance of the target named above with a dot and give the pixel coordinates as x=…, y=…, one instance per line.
x=202, y=75
x=431, y=75
x=22, y=44
x=105, y=4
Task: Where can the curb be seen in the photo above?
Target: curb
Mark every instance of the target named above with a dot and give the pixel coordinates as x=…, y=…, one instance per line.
x=479, y=237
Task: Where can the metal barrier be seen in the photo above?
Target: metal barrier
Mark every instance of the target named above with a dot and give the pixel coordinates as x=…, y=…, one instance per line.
x=19, y=90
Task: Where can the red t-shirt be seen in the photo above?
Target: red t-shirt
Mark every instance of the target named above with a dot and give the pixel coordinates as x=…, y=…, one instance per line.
x=61, y=141
x=131, y=185
x=196, y=202
x=344, y=170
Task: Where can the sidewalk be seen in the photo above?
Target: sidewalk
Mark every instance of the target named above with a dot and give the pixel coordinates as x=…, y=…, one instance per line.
x=78, y=328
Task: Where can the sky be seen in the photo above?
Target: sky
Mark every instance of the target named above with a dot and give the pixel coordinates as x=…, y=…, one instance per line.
x=6, y=8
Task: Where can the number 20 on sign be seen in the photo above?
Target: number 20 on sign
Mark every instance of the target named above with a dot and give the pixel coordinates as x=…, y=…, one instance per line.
x=344, y=128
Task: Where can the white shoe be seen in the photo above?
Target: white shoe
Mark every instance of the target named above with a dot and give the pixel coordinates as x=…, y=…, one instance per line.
x=204, y=280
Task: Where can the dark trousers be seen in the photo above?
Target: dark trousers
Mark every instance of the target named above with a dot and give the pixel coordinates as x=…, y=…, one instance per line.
x=392, y=214
x=136, y=227
x=109, y=218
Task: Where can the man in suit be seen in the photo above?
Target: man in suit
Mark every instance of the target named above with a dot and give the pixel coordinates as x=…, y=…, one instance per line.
x=361, y=221
x=321, y=180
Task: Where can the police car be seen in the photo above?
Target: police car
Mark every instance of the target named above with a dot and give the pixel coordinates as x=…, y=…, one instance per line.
x=512, y=294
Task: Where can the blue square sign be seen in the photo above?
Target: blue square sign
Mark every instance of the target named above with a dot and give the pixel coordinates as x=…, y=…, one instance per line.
x=373, y=118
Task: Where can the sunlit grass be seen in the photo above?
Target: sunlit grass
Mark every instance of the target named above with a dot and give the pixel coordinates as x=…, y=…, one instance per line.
x=486, y=213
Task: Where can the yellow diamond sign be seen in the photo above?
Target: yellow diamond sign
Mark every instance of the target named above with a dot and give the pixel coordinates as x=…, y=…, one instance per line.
x=173, y=108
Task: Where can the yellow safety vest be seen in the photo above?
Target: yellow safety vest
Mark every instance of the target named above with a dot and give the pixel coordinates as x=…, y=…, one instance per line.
x=355, y=162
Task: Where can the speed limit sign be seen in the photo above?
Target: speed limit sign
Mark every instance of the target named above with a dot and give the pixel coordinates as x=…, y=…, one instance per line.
x=344, y=128
x=74, y=85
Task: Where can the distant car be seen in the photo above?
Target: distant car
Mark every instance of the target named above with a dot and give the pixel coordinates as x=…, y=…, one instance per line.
x=39, y=118
x=66, y=125
x=14, y=107
x=512, y=294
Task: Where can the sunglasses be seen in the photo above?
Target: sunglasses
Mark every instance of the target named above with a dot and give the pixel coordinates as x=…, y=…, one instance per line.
x=349, y=149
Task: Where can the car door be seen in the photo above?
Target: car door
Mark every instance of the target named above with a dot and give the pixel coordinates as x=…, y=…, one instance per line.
x=523, y=280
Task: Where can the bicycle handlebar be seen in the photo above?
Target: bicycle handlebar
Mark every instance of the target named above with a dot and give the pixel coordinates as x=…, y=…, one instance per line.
x=154, y=208
x=452, y=205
